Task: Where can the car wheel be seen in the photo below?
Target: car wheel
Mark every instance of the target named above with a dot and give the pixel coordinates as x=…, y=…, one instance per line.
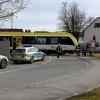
x=32, y=60
x=43, y=57
x=3, y=63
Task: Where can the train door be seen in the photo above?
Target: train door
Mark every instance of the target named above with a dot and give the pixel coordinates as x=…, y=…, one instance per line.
x=16, y=42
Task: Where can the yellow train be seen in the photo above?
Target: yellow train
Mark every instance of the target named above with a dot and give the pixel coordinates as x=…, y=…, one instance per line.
x=46, y=41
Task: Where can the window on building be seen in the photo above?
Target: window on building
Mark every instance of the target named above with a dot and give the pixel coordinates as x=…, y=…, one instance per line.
x=97, y=44
x=94, y=38
x=96, y=25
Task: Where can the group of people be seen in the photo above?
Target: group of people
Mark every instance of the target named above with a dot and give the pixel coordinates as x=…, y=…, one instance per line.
x=80, y=49
x=84, y=49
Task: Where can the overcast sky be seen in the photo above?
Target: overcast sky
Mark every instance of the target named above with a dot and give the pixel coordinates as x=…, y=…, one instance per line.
x=41, y=15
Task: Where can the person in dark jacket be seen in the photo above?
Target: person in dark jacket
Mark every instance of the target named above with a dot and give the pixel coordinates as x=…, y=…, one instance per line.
x=84, y=50
x=59, y=50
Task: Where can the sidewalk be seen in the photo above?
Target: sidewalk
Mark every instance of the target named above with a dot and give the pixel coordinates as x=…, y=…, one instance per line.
x=80, y=82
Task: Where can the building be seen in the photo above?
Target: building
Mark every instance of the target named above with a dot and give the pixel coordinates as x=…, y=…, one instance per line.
x=10, y=30
x=4, y=48
x=92, y=33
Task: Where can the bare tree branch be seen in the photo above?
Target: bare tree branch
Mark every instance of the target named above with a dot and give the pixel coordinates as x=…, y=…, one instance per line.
x=71, y=18
x=10, y=7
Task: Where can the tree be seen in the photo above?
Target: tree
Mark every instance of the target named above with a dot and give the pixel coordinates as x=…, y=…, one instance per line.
x=9, y=7
x=89, y=21
x=28, y=30
x=71, y=19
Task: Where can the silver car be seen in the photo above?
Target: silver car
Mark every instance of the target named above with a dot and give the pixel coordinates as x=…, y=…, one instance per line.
x=29, y=54
x=3, y=61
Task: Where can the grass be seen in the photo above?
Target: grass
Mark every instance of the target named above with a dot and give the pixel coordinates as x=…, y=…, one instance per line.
x=97, y=55
x=90, y=95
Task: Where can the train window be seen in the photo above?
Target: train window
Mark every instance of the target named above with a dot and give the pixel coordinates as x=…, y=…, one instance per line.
x=28, y=40
x=66, y=41
x=41, y=40
x=47, y=40
x=53, y=40
x=1, y=38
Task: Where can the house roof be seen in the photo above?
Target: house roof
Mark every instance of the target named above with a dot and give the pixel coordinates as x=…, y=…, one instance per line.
x=91, y=24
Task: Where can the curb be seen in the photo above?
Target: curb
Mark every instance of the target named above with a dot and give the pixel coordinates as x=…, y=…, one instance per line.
x=85, y=61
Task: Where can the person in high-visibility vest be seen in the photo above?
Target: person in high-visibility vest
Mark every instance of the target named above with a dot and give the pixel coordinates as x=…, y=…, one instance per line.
x=78, y=49
x=90, y=51
x=59, y=50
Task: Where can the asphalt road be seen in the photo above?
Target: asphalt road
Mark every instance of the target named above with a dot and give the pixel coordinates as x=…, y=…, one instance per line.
x=28, y=81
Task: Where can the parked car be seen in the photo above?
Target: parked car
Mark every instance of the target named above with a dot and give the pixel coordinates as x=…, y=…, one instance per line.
x=3, y=61
x=29, y=54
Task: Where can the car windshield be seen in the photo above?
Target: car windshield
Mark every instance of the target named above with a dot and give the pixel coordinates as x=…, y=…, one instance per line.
x=20, y=50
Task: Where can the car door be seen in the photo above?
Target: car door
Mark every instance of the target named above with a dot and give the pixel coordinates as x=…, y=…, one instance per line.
x=34, y=53
x=38, y=54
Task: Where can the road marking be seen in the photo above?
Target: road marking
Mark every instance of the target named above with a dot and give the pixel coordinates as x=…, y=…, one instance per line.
x=4, y=72
x=65, y=58
x=18, y=69
x=60, y=78
x=50, y=58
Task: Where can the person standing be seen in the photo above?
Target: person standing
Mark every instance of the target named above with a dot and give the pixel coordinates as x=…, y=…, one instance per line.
x=84, y=50
x=78, y=49
x=90, y=50
x=58, y=50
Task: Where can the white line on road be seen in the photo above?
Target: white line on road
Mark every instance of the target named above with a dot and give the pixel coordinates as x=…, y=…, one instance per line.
x=60, y=78
x=33, y=66
x=65, y=58
x=50, y=58
x=17, y=69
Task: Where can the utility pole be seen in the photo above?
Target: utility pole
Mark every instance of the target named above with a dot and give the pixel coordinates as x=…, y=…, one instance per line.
x=12, y=15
